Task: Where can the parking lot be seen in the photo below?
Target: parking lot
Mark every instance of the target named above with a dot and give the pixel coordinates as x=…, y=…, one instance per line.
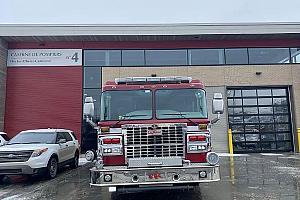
x=254, y=176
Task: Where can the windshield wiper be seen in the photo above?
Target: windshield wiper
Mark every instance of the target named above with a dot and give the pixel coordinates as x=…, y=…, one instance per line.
x=182, y=115
x=124, y=116
x=140, y=115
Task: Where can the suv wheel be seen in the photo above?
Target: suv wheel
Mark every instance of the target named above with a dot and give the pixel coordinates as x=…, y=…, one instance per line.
x=52, y=168
x=75, y=161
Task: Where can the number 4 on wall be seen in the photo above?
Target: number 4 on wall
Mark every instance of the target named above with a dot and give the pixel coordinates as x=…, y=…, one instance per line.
x=75, y=57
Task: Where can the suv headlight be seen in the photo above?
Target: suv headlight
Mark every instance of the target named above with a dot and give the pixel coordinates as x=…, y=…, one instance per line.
x=38, y=152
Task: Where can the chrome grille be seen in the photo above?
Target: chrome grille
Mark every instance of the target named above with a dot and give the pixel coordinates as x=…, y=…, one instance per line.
x=138, y=143
x=15, y=156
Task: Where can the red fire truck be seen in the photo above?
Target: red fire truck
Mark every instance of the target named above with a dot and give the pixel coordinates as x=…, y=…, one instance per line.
x=154, y=132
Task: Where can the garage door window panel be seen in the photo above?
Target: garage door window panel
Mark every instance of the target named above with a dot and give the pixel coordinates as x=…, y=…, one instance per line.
x=282, y=127
x=265, y=110
x=251, y=128
x=283, y=136
x=264, y=101
x=250, y=110
x=266, y=128
x=281, y=109
x=268, y=137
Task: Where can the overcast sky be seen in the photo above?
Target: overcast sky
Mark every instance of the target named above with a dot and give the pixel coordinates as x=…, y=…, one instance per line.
x=147, y=11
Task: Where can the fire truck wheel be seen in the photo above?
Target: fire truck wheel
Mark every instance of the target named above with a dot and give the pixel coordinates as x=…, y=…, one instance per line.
x=75, y=161
x=52, y=168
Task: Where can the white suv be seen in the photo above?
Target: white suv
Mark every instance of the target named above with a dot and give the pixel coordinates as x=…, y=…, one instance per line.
x=39, y=151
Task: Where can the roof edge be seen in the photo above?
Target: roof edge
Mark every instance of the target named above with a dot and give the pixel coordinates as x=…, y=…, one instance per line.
x=147, y=29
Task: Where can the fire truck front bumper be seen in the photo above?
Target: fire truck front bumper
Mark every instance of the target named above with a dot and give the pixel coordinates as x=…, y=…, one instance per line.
x=115, y=176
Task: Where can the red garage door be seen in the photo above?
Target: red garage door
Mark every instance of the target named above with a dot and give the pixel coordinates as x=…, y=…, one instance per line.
x=42, y=97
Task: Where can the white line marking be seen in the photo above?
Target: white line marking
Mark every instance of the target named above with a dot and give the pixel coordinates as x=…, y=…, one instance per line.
x=271, y=154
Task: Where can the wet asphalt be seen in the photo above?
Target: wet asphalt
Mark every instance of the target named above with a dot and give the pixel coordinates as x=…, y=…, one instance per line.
x=253, y=176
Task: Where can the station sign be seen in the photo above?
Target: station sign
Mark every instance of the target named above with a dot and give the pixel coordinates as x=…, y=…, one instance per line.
x=44, y=57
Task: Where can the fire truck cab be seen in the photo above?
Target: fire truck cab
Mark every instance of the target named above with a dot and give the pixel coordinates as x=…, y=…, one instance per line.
x=154, y=132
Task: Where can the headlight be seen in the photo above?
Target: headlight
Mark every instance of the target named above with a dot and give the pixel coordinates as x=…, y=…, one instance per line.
x=38, y=152
x=193, y=148
x=212, y=158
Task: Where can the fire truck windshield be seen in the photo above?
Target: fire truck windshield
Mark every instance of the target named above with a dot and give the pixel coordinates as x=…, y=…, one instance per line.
x=180, y=103
x=126, y=105
x=138, y=105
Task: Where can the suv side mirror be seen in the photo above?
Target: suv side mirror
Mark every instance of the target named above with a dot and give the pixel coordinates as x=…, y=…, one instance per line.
x=218, y=104
x=61, y=141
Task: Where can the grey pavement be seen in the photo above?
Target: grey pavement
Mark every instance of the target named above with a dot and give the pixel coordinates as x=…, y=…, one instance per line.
x=253, y=176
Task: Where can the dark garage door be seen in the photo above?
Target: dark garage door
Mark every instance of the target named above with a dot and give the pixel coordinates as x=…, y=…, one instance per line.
x=260, y=119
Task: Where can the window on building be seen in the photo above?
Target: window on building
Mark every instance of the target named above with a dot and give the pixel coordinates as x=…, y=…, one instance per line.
x=102, y=57
x=236, y=56
x=133, y=58
x=206, y=56
x=268, y=55
x=295, y=55
x=166, y=57
x=92, y=77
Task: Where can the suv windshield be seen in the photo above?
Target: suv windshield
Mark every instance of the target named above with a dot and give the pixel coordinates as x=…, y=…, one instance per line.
x=5, y=137
x=34, y=138
x=126, y=105
x=180, y=103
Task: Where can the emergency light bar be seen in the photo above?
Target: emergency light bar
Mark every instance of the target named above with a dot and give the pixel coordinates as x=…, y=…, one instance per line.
x=153, y=80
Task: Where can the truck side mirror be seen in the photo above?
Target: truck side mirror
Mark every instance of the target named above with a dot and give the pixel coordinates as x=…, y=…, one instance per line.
x=218, y=104
x=88, y=107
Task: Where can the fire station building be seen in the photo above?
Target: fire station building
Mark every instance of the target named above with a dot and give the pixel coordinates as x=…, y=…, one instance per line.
x=46, y=71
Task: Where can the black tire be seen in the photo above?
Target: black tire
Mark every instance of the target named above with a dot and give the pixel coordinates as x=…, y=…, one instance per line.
x=52, y=168
x=75, y=161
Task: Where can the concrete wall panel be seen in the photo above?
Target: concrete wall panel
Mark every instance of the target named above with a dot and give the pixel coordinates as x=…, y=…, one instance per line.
x=219, y=130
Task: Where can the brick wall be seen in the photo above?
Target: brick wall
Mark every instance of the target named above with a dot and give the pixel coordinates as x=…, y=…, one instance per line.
x=3, y=56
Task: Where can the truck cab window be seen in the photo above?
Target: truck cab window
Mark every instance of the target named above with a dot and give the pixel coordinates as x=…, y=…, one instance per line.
x=180, y=103
x=125, y=105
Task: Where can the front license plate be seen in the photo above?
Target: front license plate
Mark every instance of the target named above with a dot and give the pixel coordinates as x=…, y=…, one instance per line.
x=155, y=176
x=154, y=132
